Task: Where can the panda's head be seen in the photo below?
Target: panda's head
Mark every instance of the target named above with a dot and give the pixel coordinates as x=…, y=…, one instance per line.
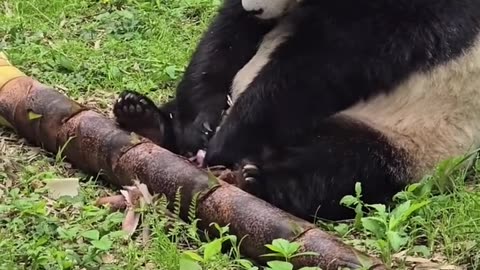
x=269, y=9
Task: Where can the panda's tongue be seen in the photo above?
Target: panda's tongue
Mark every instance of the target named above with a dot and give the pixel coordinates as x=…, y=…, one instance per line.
x=199, y=158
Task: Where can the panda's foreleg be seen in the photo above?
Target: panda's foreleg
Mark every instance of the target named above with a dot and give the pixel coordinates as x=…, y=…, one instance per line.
x=280, y=101
x=227, y=45
x=311, y=176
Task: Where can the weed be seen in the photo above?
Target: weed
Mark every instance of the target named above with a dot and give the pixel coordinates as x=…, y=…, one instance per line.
x=411, y=224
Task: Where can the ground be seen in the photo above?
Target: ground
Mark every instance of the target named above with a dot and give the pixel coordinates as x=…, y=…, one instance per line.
x=91, y=50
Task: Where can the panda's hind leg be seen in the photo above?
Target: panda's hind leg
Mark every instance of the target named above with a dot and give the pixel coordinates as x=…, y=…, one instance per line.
x=249, y=170
x=137, y=113
x=309, y=177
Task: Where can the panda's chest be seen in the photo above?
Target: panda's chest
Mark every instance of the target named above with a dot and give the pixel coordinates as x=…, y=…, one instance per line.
x=247, y=74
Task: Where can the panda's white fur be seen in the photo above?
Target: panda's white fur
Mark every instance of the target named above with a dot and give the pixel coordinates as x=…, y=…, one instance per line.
x=433, y=115
x=269, y=9
x=248, y=73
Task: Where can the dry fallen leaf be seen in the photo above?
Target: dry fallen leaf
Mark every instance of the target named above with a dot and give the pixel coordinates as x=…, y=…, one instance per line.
x=146, y=194
x=416, y=260
x=96, y=45
x=108, y=259
x=437, y=262
x=63, y=187
x=150, y=266
x=130, y=199
x=436, y=266
x=130, y=223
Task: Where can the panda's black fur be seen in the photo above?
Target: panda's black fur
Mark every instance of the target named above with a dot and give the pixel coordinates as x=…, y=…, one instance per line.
x=343, y=97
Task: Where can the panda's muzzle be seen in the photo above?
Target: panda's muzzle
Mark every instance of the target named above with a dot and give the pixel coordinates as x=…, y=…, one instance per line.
x=256, y=12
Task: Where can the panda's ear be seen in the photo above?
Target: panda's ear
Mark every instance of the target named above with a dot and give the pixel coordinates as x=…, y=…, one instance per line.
x=268, y=9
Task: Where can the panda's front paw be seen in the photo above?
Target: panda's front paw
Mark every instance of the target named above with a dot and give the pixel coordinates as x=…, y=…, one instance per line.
x=218, y=155
x=195, y=136
x=134, y=109
x=137, y=113
x=227, y=147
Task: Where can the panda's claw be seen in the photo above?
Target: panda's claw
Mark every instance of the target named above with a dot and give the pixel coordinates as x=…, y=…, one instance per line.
x=250, y=173
x=250, y=169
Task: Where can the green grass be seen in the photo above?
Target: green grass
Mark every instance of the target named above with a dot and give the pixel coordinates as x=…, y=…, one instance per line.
x=91, y=50
x=87, y=47
x=445, y=227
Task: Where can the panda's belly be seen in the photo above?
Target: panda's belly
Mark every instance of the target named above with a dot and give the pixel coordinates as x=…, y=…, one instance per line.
x=432, y=116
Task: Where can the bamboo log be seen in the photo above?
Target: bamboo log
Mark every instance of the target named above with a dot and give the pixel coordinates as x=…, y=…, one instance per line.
x=94, y=143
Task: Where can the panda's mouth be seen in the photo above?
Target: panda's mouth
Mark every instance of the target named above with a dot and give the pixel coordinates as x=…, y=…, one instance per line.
x=257, y=12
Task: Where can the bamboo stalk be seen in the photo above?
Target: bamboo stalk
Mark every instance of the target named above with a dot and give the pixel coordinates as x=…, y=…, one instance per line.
x=94, y=143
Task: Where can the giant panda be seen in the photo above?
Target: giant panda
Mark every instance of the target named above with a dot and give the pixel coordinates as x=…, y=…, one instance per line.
x=309, y=97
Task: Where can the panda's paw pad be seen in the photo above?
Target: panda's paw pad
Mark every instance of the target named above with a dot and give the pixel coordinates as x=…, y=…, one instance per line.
x=132, y=109
x=250, y=172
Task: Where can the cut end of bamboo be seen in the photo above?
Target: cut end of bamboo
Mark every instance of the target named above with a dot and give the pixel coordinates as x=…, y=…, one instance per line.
x=7, y=71
x=4, y=60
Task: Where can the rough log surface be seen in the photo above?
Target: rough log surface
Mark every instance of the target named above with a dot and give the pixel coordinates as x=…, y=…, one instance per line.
x=95, y=144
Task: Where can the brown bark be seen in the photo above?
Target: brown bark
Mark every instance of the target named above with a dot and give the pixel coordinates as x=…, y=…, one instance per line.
x=94, y=143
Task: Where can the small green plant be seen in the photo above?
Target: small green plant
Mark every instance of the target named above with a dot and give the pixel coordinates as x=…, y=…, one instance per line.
x=389, y=228
x=355, y=203
x=280, y=248
x=286, y=250
x=212, y=250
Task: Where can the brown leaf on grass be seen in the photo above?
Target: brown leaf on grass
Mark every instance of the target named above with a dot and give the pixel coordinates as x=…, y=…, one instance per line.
x=136, y=196
x=130, y=222
x=145, y=193
x=131, y=198
x=436, y=266
x=437, y=262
